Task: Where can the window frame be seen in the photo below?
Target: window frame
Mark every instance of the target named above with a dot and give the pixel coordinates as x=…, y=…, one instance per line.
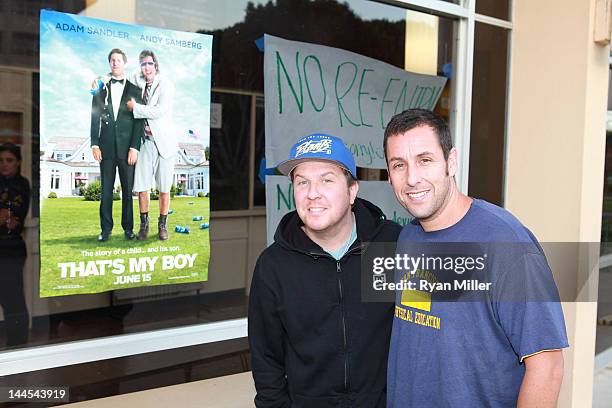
x=77, y=352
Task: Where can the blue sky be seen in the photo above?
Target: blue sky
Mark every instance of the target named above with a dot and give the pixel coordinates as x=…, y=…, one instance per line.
x=69, y=61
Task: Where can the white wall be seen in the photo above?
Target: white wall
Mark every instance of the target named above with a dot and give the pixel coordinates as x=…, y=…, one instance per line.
x=556, y=146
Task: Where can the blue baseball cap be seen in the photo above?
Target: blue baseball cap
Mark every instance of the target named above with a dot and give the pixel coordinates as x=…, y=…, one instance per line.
x=319, y=146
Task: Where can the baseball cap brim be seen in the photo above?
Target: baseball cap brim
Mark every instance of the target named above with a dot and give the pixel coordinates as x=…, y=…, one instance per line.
x=288, y=166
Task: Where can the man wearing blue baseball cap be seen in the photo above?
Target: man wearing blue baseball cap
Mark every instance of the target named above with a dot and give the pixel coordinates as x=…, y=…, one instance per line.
x=314, y=343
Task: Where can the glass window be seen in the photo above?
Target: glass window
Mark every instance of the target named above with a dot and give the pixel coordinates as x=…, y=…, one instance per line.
x=229, y=149
x=11, y=127
x=487, y=137
x=24, y=44
x=259, y=197
x=35, y=149
x=236, y=143
x=606, y=222
x=494, y=8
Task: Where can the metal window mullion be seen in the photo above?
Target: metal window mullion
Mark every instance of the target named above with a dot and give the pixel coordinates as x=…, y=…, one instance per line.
x=463, y=96
x=508, y=111
x=85, y=351
x=250, y=228
x=441, y=8
x=493, y=21
x=252, y=131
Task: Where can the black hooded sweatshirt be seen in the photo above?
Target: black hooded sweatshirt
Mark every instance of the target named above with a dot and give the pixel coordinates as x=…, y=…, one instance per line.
x=314, y=343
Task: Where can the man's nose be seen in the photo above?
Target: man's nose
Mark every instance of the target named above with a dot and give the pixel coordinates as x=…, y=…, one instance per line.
x=313, y=191
x=413, y=176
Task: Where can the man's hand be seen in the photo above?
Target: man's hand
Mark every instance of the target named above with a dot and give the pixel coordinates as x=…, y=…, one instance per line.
x=132, y=156
x=94, y=83
x=97, y=154
x=11, y=222
x=130, y=104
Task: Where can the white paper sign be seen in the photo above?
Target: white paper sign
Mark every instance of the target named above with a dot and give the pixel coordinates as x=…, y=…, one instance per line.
x=312, y=88
x=280, y=201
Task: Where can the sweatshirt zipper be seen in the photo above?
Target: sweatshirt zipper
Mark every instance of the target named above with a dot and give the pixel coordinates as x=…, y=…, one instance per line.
x=339, y=274
x=341, y=297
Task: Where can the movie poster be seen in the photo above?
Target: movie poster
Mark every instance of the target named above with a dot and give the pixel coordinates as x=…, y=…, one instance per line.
x=125, y=116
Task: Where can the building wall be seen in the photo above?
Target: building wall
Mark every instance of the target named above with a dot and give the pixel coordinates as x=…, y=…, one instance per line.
x=554, y=167
x=555, y=156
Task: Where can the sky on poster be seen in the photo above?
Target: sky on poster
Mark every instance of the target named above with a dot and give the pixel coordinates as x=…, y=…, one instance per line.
x=70, y=60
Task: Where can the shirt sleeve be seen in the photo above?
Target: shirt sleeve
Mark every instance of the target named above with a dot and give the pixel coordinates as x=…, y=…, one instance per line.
x=137, y=124
x=25, y=193
x=163, y=105
x=96, y=112
x=528, y=307
x=21, y=202
x=266, y=343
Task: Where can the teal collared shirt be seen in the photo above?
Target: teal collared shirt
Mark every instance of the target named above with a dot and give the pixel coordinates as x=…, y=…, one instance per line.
x=339, y=253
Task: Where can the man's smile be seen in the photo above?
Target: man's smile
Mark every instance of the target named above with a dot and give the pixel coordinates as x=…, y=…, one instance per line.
x=316, y=210
x=417, y=195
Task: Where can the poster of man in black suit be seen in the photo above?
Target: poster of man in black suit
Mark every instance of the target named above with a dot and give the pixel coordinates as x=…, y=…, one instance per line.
x=92, y=146
x=115, y=141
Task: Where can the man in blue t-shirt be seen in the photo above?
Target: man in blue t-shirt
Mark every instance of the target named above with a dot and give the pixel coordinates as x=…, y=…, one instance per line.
x=496, y=343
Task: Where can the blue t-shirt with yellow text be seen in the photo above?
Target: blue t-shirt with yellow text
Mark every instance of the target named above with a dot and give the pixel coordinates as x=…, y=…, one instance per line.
x=461, y=348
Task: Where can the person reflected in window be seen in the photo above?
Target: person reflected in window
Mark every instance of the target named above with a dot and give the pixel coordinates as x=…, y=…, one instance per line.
x=14, y=205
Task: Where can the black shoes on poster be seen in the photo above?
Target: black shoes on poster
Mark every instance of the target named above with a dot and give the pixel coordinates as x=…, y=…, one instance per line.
x=104, y=236
x=129, y=235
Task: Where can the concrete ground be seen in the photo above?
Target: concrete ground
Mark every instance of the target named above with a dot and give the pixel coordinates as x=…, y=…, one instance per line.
x=602, y=389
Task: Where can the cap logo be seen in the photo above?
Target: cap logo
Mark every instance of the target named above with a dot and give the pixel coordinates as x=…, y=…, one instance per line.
x=322, y=146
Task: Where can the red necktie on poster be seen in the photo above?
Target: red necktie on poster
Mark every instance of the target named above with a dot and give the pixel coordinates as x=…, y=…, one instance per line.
x=145, y=98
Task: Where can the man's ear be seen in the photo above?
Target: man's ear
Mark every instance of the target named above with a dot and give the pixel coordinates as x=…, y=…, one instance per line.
x=353, y=189
x=451, y=162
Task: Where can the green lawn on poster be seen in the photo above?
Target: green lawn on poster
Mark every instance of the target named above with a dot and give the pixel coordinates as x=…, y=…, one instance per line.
x=70, y=226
